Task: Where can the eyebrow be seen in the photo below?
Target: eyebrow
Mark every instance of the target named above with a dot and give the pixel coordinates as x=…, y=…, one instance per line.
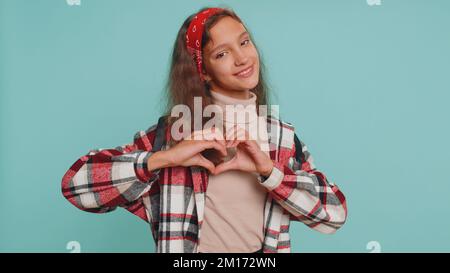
x=222, y=45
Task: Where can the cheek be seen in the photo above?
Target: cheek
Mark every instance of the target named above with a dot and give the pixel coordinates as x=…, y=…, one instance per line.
x=224, y=68
x=255, y=55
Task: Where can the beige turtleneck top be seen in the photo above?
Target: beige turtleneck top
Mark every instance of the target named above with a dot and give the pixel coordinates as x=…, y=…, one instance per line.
x=234, y=204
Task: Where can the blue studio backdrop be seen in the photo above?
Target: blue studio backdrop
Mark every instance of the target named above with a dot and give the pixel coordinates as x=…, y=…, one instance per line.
x=366, y=83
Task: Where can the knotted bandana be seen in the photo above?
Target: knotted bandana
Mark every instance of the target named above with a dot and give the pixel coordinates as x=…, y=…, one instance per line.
x=194, y=36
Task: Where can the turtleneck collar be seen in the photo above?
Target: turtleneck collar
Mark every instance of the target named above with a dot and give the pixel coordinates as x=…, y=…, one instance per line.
x=224, y=100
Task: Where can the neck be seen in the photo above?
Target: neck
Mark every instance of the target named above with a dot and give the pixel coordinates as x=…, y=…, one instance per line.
x=223, y=100
x=240, y=95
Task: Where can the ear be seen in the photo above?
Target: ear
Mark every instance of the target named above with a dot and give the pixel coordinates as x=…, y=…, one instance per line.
x=205, y=73
x=206, y=76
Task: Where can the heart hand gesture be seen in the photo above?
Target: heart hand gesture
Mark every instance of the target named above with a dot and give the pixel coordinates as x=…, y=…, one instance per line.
x=248, y=156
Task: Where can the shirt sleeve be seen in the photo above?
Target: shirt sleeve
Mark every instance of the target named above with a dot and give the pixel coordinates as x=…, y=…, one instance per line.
x=104, y=179
x=306, y=193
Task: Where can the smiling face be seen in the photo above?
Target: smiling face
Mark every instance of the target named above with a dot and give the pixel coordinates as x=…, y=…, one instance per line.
x=231, y=60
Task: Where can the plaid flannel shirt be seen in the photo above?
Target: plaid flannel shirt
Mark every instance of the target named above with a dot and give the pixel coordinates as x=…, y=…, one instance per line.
x=172, y=200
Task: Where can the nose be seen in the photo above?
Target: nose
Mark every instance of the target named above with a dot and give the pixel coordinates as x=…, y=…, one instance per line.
x=240, y=58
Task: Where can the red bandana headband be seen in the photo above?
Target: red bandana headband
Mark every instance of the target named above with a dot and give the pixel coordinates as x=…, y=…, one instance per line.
x=194, y=37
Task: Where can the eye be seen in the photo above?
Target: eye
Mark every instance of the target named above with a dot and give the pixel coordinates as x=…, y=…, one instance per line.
x=245, y=42
x=220, y=55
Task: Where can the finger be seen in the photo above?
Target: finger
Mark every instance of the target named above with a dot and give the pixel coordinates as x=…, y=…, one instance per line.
x=219, y=144
x=229, y=142
x=231, y=136
x=218, y=134
x=226, y=166
x=252, y=144
x=220, y=137
x=215, y=145
x=244, y=134
x=241, y=135
x=239, y=138
x=235, y=143
x=206, y=164
x=206, y=133
x=231, y=132
x=198, y=146
x=201, y=136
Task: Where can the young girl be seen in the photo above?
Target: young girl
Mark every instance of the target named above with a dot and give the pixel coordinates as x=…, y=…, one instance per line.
x=209, y=192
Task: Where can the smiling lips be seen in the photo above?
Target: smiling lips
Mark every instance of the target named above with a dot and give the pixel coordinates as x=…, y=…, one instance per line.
x=245, y=73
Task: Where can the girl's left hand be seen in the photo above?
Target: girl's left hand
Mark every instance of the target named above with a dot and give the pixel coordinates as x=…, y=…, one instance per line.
x=248, y=158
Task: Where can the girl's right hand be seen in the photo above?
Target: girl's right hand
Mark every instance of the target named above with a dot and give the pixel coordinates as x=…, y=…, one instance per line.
x=188, y=151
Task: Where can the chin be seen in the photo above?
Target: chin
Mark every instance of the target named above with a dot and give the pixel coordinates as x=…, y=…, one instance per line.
x=243, y=85
x=250, y=83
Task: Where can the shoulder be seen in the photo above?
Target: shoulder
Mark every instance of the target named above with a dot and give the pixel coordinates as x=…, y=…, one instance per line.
x=144, y=139
x=282, y=133
x=280, y=123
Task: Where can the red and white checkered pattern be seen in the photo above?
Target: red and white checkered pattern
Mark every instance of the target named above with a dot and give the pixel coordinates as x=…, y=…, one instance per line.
x=172, y=199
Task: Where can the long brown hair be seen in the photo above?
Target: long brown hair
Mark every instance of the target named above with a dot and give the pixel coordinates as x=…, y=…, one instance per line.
x=183, y=83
